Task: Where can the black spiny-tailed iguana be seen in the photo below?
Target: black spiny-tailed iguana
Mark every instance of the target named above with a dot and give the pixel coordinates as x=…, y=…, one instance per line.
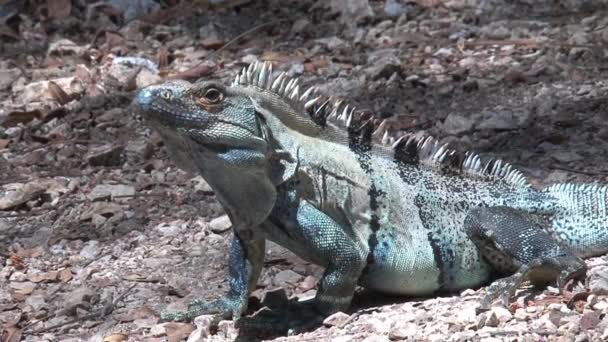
x=403, y=215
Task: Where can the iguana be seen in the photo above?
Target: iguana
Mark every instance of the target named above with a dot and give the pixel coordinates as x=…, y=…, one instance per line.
x=402, y=214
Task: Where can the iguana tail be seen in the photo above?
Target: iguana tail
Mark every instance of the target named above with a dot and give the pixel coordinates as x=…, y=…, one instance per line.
x=581, y=216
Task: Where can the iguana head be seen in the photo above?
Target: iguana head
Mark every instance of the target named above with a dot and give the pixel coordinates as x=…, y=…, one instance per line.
x=213, y=117
x=249, y=124
x=216, y=131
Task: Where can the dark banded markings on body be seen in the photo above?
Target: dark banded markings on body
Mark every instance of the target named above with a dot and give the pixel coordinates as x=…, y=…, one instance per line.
x=360, y=142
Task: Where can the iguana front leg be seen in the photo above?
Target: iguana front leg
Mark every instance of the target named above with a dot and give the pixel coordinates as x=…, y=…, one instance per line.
x=313, y=235
x=245, y=264
x=512, y=242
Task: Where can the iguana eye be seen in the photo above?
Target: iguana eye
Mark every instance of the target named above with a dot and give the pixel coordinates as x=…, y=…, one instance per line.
x=213, y=95
x=166, y=94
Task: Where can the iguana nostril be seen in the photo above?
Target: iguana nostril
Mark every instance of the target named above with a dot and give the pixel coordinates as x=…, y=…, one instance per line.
x=144, y=98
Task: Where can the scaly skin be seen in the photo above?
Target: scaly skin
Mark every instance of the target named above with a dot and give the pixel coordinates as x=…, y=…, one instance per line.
x=401, y=215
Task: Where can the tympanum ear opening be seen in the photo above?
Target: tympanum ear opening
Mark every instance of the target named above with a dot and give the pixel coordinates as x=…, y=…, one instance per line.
x=282, y=163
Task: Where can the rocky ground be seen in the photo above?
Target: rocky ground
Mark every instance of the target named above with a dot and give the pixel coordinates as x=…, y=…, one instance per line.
x=99, y=231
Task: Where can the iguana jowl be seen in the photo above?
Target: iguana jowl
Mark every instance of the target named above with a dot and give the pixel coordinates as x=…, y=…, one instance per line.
x=403, y=215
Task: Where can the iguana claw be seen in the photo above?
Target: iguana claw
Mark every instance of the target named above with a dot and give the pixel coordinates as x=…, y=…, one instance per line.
x=223, y=308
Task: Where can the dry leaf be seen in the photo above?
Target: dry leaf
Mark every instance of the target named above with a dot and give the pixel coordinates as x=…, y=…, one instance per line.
x=8, y=32
x=30, y=252
x=278, y=57
x=134, y=277
x=65, y=275
x=40, y=277
x=15, y=118
x=59, y=9
x=579, y=306
x=137, y=313
x=200, y=70
x=114, y=39
x=83, y=73
x=142, y=278
x=53, y=62
x=94, y=90
x=19, y=194
x=10, y=333
x=115, y=338
x=590, y=320
x=131, y=83
x=312, y=66
x=6, y=307
x=4, y=143
x=212, y=43
x=428, y=3
x=108, y=10
x=23, y=288
x=178, y=331
x=163, y=58
x=17, y=261
x=58, y=94
x=116, y=44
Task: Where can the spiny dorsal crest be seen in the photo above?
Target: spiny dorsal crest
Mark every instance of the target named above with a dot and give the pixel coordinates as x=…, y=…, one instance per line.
x=318, y=108
x=407, y=148
x=428, y=151
x=578, y=189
